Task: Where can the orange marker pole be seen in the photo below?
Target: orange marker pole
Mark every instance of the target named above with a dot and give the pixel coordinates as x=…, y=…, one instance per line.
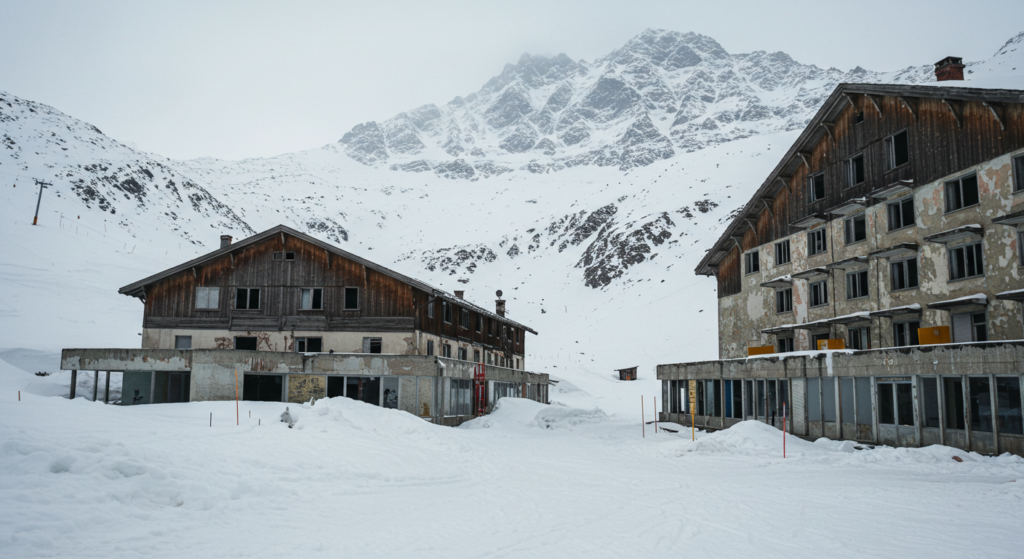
x=643, y=429
x=236, y=398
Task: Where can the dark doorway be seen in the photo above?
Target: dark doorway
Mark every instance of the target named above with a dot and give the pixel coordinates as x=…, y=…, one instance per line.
x=262, y=388
x=335, y=387
x=177, y=387
x=364, y=389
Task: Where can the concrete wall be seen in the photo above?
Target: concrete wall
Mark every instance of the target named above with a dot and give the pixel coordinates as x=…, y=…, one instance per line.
x=404, y=343
x=744, y=315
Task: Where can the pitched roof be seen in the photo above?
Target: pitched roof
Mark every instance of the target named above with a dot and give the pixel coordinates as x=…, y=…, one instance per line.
x=137, y=289
x=835, y=103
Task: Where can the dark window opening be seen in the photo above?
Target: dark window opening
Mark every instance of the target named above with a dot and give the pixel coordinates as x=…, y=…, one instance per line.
x=819, y=293
x=430, y=347
x=1018, y=173
x=904, y=274
x=464, y=318
x=311, y=299
x=901, y=214
x=818, y=338
x=446, y=311
x=372, y=345
x=309, y=345
x=897, y=150
x=446, y=351
x=351, y=298
x=782, y=253
x=816, y=187
x=886, y=404
x=962, y=193
x=859, y=338
x=364, y=389
x=785, y=345
x=430, y=309
x=262, y=388
x=904, y=404
x=857, y=284
x=784, y=300
x=752, y=262
x=1008, y=404
x=463, y=354
x=816, y=241
x=953, y=390
x=965, y=262
x=476, y=355
x=284, y=256
x=905, y=333
x=479, y=323
x=247, y=298
x=979, y=327
x=855, y=170
x=246, y=342
x=981, y=404
x=856, y=228
x=858, y=117
x=931, y=402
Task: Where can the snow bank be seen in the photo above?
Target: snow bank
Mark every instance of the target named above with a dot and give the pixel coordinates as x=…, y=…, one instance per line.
x=521, y=413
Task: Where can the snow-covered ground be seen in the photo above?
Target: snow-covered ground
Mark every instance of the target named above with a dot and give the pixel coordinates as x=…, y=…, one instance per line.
x=80, y=479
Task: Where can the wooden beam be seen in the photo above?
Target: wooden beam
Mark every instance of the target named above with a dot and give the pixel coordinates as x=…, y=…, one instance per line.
x=954, y=107
x=194, y=274
x=328, y=253
x=996, y=109
x=831, y=129
x=785, y=182
x=911, y=104
x=232, y=255
x=805, y=156
x=768, y=205
x=877, y=102
x=852, y=99
x=282, y=240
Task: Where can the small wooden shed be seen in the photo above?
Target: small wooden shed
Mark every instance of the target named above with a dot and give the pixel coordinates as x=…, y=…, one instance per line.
x=627, y=374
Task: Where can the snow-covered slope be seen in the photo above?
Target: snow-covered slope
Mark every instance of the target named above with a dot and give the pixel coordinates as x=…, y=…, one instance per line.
x=595, y=252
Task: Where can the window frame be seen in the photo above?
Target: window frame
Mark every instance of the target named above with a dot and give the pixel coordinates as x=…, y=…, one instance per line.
x=821, y=287
x=179, y=339
x=305, y=341
x=889, y=206
x=851, y=178
x=850, y=226
x=430, y=347
x=283, y=256
x=782, y=297
x=248, y=298
x=207, y=291
x=358, y=299
x=464, y=318
x=889, y=143
x=857, y=284
x=430, y=308
x=906, y=274
x=812, y=244
x=1017, y=168
x=446, y=312
x=780, y=247
x=958, y=183
x=752, y=262
x=312, y=298
x=1020, y=247
x=479, y=323
x=979, y=264
x=812, y=187
x=909, y=333
x=785, y=344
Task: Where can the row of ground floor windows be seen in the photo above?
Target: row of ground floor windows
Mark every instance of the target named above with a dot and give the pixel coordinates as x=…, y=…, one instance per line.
x=947, y=401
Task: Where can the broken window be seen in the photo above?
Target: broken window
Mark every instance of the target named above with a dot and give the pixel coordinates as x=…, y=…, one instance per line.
x=460, y=397
x=247, y=298
x=430, y=347
x=981, y=404
x=819, y=293
x=897, y=150
x=364, y=389
x=859, y=338
x=979, y=327
x=207, y=297
x=782, y=252
x=953, y=391
x=462, y=354
x=855, y=170
x=785, y=344
x=751, y=262
x=784, y=300
x=309, y=345
x=904, y=274
x=182, y=342
x=311, y=299
x=965, y=261
x=262, y=388
x=962, y=193
x=1018, y=173
x=816, y=241
x=464, y=317
x=351, y=298
x=855, y=228
x=930, y=387
x=372, y=345
x=1008, y=404
x=905, y=333
x=901, y=213
x=246, y=342
x=857, y=284
x=446, y=310
x=816, y=187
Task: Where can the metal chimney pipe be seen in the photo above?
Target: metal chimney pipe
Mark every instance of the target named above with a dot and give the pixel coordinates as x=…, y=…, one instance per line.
x=225, y=240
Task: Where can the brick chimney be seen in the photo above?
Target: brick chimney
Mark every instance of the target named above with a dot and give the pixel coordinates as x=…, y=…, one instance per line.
x=499, y=305
x=225, y=240
x=950, y=68
x=460, y=294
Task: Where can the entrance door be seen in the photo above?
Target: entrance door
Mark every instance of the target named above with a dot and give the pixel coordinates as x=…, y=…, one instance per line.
x=178, y=387
x=979, y=391
x=896, y=421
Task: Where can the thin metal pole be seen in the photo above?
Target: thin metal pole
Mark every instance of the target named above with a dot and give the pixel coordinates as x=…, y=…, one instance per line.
x=42, y=185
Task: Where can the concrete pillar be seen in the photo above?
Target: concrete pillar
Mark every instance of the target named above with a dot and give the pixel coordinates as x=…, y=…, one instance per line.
x=95, y=385
x=106, y=391
x=74, y=383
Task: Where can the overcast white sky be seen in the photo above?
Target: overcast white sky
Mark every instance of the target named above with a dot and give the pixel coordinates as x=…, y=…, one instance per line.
x=245, y=79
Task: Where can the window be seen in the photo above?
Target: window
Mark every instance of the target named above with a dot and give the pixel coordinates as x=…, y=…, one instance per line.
x=816, y=241
x=476, y=356
x=464, y=318
x=816, y=187
x=980, y=404
x=479, y=323
x=864, y=415
x=857, y=284
x=446, y=310
x=309, y=345
x=858, y=117
x=351, y=298
x=856, y=228
x=430, y=309
x=246, y=342
x=782, y=253
x=247, y=298
x=752, y=262
x=819, y=293
x=859, y=338
x=430, y=347
x=785, y=345
x=493, y=329
x=901, y=213
x=930, y=388
x=311, y=298
x=965, y=262
x=459, y=398
x=446, y=351
x=1020, y=248
x=1008, y=404
x=905, y=333
x=207, y=297
x=1018, y=173
x=373, y=345
x=784, y=300
x=463, y=354
x=855, y=170
x=818, y=338
x=904, y=274
x=284, y=256
x=962, y=193
x=897, y=150
x=979, y=327
x=953, y=390
x=182, y=342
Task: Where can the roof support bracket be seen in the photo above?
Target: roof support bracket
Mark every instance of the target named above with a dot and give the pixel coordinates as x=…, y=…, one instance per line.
x=767, y=201
x=785, y=182
x=328, y=253
x=194, y=274
x=877, y=102
x=911, y=104
x=830, y=129
x=851, y=97
x=232, y=255
x=997, y=111
x=805, y=156
x=282, y=240
x=954, y=107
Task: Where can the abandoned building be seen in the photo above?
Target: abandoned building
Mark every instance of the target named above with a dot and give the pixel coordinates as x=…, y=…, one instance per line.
x=298, y=318
x=891, y=229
